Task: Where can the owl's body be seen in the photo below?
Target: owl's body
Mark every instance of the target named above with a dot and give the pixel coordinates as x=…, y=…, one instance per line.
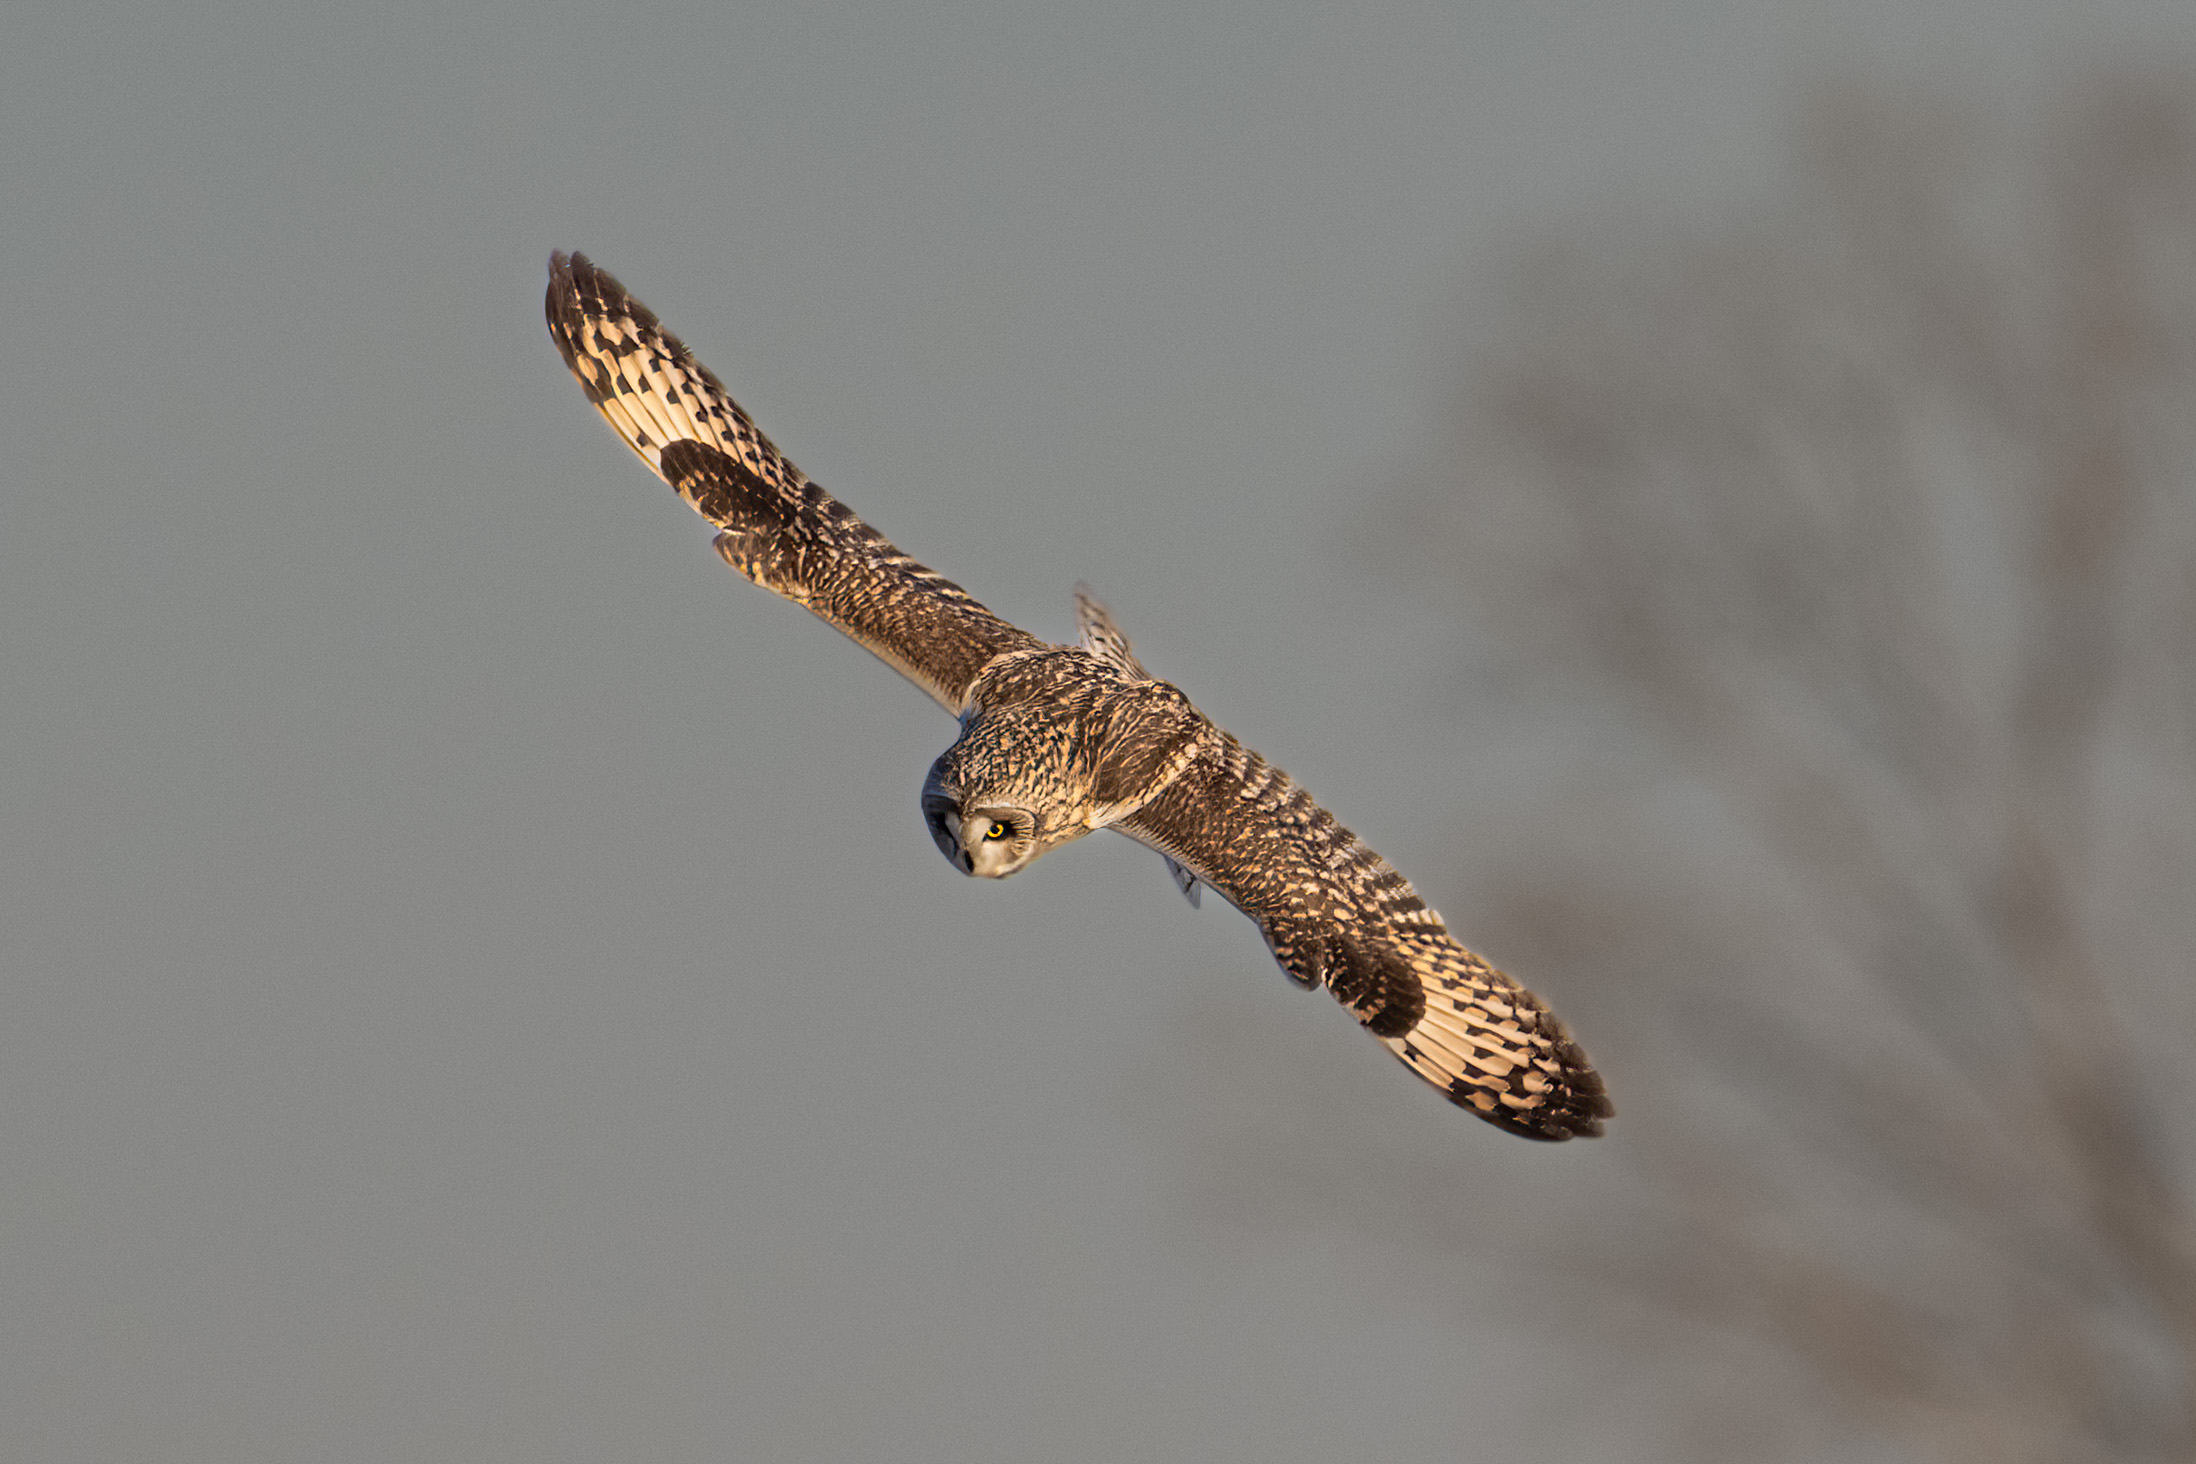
x=1059, y=740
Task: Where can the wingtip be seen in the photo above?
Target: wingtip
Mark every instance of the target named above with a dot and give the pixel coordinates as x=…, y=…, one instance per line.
x=1579, y=1116
x=1585, y=1103
x=1582, y=1101
x=580, y=287
x=565, y=269
x=1493, y=1049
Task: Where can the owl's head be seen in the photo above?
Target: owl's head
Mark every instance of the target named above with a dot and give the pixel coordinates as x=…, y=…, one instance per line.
x=1005, y=793
x=990, y=840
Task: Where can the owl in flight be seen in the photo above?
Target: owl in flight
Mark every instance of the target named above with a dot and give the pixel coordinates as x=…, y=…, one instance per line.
x=1058, y=740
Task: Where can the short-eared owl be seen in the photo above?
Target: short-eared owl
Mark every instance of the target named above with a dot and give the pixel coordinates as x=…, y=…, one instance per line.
x=1058, y=740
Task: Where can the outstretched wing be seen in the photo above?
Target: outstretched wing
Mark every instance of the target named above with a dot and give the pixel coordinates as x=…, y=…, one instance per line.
x=780, y=530
x=1336, y=914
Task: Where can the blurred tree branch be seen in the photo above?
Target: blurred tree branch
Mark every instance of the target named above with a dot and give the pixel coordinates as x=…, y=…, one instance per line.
x=1879, y=510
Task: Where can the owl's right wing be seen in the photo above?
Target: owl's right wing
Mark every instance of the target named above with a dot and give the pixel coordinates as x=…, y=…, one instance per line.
x=1336, y=914
x=780, y=530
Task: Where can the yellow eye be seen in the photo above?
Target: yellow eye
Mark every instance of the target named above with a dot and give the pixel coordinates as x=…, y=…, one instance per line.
x=997, y=831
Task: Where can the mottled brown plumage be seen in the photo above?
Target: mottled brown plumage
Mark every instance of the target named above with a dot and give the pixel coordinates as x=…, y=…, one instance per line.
x=1059, y=740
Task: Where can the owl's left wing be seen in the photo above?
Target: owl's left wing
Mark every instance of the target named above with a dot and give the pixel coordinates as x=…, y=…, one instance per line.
x=780, y=530
x=1336, y=914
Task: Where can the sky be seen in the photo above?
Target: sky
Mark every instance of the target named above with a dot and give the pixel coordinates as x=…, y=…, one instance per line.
x=474, y=981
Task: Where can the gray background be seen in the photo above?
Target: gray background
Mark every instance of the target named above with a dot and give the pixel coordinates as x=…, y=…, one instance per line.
x=473, y=980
